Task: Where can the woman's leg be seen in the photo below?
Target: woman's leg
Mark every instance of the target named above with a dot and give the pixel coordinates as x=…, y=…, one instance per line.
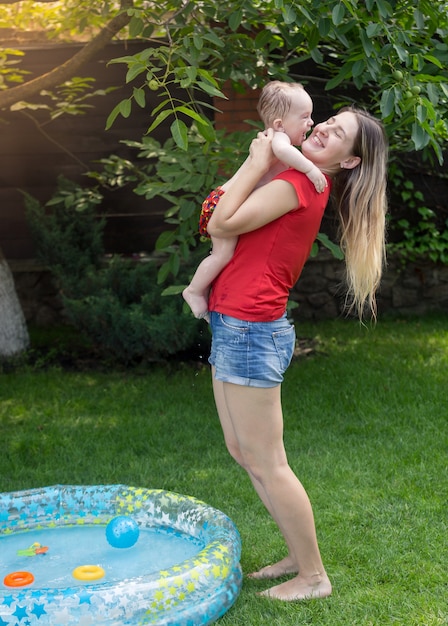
x=287, y=564
x=255, y=415
x=196, y=294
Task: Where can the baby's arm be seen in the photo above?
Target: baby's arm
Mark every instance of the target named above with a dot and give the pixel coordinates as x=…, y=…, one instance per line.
x=287, y=153
x=276, y=168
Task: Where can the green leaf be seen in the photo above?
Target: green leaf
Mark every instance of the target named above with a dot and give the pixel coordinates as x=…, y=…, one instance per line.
x=334, y=248
x=433, y=94
x=421, y=113
x=235, y=19
x=214, y=39
x=419, y=19
x=324, y=26
x=210, y=89
x=19, y=106
x=387, y=102
x=179, y=132
x=384, y=8
x=188, y=208
x=126, y=59
x=289, y=15
x=186, y=110
x=402, y=53
x=163, y=273
x=173, y=290
x=366, y=43
x=317, y=56
x=191, y=72
x=165, y=239
x=135, y=69
x=263, y=38
x=174, y=264
x=160, y=106
x=207, y=131
x=135, y=27
x=113, y=116
x=434, y=60
x=337, y=14
x=125, y=107
x=374, y=29
x=358, y=68
x=419, y=136
x=208, y=77
x=300, y=7
x=159, y=119
x=198, y=42
x=344, y=72
x=139, y=97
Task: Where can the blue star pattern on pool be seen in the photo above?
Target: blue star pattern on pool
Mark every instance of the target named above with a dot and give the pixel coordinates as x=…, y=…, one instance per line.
x=194, y=592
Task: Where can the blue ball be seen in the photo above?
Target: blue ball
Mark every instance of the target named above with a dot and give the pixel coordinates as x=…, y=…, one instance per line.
x=122, y=532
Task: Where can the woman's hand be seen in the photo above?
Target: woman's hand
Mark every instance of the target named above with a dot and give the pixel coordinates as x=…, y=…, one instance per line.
x=238, y=210
x=260, y=151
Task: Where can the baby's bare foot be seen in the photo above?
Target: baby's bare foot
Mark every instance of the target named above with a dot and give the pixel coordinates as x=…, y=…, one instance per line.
x=197, y=303
x=281, y=568
x=299, y=588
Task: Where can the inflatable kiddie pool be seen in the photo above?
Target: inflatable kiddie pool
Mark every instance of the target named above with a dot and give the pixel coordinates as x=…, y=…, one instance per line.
x=182, y=571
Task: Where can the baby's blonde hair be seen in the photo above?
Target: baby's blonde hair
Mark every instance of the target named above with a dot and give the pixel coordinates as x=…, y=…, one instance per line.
x=275, y=100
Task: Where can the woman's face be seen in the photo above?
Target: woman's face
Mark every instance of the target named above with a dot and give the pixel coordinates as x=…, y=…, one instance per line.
x=330, y=145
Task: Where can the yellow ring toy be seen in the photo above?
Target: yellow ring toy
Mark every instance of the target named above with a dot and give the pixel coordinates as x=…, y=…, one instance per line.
x=88, y=572
x=18, y=579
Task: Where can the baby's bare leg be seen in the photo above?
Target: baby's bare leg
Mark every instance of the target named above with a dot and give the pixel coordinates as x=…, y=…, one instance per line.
x=196, y=294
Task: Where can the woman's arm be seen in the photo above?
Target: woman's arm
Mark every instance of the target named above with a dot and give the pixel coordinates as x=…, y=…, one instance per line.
x=241, y=209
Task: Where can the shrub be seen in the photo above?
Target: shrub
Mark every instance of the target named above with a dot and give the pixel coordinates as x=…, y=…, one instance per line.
x=123, y=312
x=419, y=232
x=67, y=231
x=115, y=302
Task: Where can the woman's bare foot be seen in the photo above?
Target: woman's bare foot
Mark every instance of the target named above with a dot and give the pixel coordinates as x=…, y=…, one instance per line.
x=197, y=303
x=281, y=568
x=299, y=588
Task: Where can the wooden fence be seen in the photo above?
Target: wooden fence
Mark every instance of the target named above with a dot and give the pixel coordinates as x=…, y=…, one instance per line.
x=32, y=158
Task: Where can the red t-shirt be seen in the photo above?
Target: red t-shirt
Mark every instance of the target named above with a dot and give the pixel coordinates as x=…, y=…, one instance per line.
x=267, y=262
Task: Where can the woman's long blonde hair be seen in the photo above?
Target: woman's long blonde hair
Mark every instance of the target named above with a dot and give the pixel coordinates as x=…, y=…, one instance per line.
x=361, y=203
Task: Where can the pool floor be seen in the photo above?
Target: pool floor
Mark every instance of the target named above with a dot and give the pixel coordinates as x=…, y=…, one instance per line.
x=71, y=547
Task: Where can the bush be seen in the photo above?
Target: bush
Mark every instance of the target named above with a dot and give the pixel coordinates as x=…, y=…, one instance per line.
x=115, y=302
x=123, y=312
x=68, y=233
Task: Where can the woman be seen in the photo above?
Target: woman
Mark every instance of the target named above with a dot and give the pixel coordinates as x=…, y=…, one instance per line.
x=253, y=342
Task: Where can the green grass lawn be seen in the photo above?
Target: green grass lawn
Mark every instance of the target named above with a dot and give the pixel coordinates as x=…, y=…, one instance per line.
x=366, y=430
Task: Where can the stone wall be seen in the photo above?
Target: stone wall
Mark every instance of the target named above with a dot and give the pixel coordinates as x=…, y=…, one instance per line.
x=415, y=290
x=420, y=288
x=37, y=293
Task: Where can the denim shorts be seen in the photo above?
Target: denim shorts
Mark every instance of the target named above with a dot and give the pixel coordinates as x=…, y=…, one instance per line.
x=253, y=354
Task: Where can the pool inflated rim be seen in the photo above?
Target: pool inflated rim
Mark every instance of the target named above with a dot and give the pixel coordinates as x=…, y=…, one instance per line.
x=195, y=592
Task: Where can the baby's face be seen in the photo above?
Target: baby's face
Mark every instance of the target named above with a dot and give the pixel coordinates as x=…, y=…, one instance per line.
x=297, y=122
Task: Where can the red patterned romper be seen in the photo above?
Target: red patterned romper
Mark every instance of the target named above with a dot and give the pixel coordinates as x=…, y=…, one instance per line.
x=207, y=209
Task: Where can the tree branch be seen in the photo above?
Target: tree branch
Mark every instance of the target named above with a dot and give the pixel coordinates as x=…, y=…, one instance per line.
x=17, y=1
x=68, y=69
x=53, y=141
